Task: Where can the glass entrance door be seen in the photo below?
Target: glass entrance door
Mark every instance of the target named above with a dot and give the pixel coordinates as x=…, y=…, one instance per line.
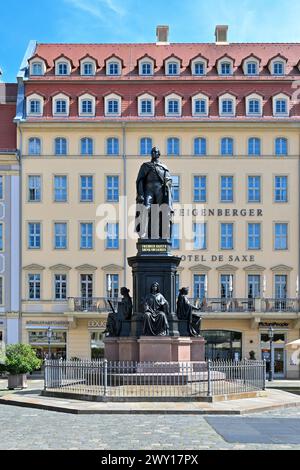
x=280, y=291
x=278, y=353
x=86, y=281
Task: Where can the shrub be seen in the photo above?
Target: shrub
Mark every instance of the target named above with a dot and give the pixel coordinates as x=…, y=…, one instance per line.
x=21, y=359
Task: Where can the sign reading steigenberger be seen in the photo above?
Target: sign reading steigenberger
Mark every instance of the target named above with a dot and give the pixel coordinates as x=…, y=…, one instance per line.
x=217, y=212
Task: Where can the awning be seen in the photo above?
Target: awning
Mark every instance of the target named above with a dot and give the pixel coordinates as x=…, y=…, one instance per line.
x=293, y=344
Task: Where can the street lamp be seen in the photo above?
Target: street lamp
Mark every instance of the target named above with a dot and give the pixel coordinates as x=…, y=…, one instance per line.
x=49, y=336
x=271, y=371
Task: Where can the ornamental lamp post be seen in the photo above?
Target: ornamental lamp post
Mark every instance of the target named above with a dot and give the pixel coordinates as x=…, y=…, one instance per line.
x=49, y=336
x=271, y=370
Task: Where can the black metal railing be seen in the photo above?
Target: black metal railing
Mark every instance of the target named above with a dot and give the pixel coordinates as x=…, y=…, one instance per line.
x=153, y=380
x=94, y=304
x=235, y=304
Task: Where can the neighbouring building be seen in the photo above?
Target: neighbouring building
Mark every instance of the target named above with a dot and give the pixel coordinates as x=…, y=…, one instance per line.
x=9, y=218
x=227, y=119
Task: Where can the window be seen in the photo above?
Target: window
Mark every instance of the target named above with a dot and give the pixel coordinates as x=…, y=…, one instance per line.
x=254, y=236
x=62, y=68
x=252, y=68
x=112, y=285
x=173, y=107
x=60, y=106
x=281, y=146
x=280, y=286
x=112, y=236
x=226, y=236
x=254, y=107
x=146, y=107
x=175, y=237
x=199, y=236
x=112, y=146
x=254, y=286
x=280, y=190
x=227, y=107
x=199, y=188
x=113, y=107
x=226, y=189
x=34, y=286
x=226, y=285
x=1, y=187
x=227, y=146
x=88, y=68
x=34, y=235
x=176, y=188
x=225, y=68
x=60, y=236
x=254, y=145
x=281, y=234
x=278, y=68
x=113, y=68
x=34, y=188
x=172, y=68
x=34, y=105
x=146, y=146
x=1, y=297
x=281, y=107
x=112, y=188
x=146, y=68
x=173, y=146
x=200, y=107
x=60, y=188
x=87, y=107
x=199, y=146
x=200, y=286
x=86, y=145
x=254, y=185
x=199, y=68
x=60, y=146
x=36, y=68
x=34, y=146
x=1, y=236
x=86, y=189
x=60, y=286
x=86, y=287
x=86, y=236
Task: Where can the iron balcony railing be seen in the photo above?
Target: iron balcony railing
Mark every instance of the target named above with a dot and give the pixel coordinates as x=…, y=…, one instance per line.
x=234, y=304
x=102, y=379
x=94, y=304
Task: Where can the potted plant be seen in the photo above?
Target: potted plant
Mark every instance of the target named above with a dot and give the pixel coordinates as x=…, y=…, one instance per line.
x=20, y=360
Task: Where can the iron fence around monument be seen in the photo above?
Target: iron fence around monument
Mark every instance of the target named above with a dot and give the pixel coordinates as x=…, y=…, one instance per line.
x=124, y=380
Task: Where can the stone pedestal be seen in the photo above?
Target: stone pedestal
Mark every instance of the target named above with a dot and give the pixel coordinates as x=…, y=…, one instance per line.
x=155, y=349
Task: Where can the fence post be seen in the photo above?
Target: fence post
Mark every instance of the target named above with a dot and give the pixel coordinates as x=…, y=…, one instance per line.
x=209, y=393
x=264, y=374
x=45, y=374
x=105, y=377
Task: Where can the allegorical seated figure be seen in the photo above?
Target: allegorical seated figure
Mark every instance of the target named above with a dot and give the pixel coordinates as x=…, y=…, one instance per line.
x=125, y=306
x=156, y=310
x=185, y=312
x=115, y=318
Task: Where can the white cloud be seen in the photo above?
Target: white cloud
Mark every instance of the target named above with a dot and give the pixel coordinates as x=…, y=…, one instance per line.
x=97, y=8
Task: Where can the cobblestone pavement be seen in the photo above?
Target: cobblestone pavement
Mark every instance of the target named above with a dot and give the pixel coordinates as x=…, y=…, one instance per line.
x=24, y=428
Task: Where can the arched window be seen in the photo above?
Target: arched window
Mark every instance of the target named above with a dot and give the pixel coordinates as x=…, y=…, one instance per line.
x=37, y=68
x=145, y=146
x=86, y=106
x=254, y=146
x=34, y=146
x=199, y=146
x=226, y=146
x=173, y=146
x=112, y=146
x=86, y=146
x=60, y=146
x=281, y=146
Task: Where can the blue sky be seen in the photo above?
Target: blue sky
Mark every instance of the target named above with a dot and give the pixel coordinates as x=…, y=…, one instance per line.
x=136, y=20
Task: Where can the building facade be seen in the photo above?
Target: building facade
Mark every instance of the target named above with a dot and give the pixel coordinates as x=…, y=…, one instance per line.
x=9, y=219
x=226, y=118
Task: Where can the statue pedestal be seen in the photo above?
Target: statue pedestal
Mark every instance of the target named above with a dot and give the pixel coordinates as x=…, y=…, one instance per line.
x=155, y=349
x=154, y=263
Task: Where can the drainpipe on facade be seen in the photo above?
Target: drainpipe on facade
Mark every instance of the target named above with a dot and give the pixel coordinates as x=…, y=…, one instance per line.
x=21, y=227
x=125, y=202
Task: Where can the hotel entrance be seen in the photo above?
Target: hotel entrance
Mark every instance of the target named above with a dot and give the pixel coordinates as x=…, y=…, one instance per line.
x=279, y=353
x=223, y=345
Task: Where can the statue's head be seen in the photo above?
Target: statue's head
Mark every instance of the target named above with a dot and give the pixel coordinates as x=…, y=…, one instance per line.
x=124, y=291
x=184, y=291
x=155, y=153
x=154, y=288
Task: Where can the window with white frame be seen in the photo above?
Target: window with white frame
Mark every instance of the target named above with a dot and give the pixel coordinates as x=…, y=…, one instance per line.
x=225, y=67
x=112, y=146
x=145, y=146
x=281, y=146
x=254, y=146
x=278, y=67
x=60, y=236
x=254, y=105
x=112, y=105
x=37, y=68
x=112, y=188
x=251, y=66
x=34, y=188
x=113, y=67
x=60, y=286
x=281, y=105
x=173, y=148
x=60, y=188
x=146, y=105
x=199, y=67
x=173, y=104
x=87, y=105
x=146, y=67
x=87, y=67
x=34, y=105
x=34, y=146
x=60, y=146
x=34, y=235
x=200, y=105
x=172, y=67
x=200, y=146
x=86, y=188
x=112, y=236
x=60, y=105
x=86, y=146
x=227, y=105
x=86, y=236
x=62, y=67
x=227, y=146
x=34, y=286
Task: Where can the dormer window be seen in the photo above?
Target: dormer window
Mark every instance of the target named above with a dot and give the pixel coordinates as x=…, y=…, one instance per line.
x=172, y=68
x=227, y=105
x=146, y=65
x=62, y=68
x=173, y=105
x=200, y=105
x=251, y=68
x=112, y=105
x=146, y=105
x=281, y=105
x=36, y=68
x=146, y=68
x=225, y=68
x=254, y=105
x=278, y=68
x=60, y=105
x=87, y=105
x=34, y=105
x=88, y=68
x=199, y=68
x=251, y=65
x=113, y=67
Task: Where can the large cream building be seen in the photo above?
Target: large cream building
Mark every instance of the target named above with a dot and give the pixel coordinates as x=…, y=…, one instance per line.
x=226, y=118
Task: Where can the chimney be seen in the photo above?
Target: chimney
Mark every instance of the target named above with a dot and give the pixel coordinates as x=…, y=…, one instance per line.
x=221, y=34
x=162, y=34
